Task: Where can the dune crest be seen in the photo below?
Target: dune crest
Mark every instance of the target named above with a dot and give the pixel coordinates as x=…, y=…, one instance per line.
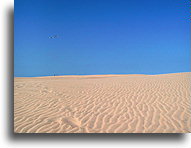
x=103, y=104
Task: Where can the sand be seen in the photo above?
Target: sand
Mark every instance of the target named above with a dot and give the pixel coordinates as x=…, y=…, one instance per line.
x=103, y=104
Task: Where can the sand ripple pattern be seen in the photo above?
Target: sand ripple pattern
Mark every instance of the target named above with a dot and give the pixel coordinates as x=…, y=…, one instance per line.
x=103, y=104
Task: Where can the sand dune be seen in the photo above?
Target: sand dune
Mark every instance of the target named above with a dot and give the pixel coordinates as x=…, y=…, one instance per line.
x=103, y=104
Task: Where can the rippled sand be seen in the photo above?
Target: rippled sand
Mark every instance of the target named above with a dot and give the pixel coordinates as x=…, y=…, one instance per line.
x=103, y=104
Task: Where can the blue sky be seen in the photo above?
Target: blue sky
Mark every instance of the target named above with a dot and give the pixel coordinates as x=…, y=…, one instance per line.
x=101, y=37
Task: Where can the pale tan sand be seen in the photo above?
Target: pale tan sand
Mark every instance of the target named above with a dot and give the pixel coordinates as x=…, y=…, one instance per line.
x=103, y=104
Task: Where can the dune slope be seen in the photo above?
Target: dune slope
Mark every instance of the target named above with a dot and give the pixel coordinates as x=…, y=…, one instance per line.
x=103, y=104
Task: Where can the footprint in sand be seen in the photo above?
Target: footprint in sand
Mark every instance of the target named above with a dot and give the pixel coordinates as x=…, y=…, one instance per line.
x=74, y=122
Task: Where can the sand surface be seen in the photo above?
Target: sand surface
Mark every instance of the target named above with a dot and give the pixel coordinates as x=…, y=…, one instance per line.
x=103, y=104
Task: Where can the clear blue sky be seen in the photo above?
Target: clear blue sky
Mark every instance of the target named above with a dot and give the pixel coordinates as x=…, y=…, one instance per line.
x=101, y=37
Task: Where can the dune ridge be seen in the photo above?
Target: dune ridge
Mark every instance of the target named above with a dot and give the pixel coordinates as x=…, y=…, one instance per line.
x=103, y=104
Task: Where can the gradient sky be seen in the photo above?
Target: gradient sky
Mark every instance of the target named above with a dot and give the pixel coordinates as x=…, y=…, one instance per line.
x=101, y=37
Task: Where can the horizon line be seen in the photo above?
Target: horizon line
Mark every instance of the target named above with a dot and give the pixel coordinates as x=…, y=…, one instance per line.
x=96, y=75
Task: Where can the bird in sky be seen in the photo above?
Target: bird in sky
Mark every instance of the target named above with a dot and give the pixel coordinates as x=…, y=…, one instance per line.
x=53, y=37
